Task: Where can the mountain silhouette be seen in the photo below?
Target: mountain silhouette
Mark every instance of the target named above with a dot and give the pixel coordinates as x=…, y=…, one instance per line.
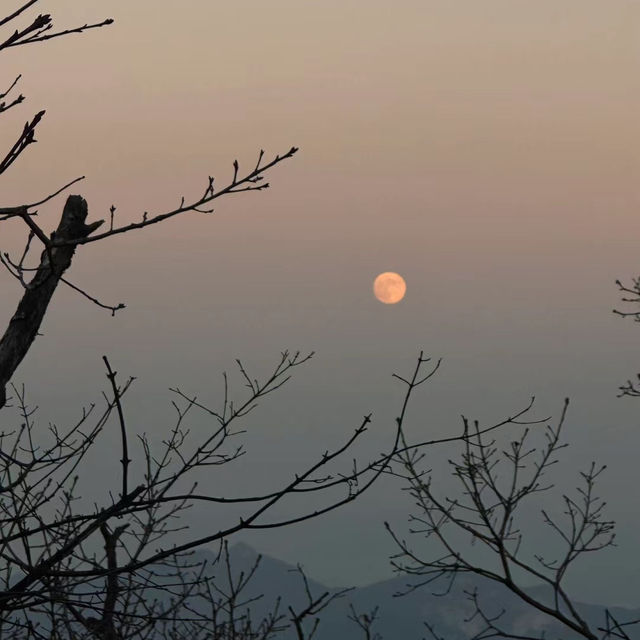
x=404, y=616
x=278, y=585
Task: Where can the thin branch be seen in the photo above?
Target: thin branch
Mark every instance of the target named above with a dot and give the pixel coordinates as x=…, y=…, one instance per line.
x=250, y=178
x=117, y=399
x=108, y=307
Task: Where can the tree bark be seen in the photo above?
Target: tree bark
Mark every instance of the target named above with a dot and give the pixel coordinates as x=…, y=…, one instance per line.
x=55, y=260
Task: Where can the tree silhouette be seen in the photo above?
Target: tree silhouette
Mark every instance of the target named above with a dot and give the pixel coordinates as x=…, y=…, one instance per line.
x=499, y=486
x=93, y=566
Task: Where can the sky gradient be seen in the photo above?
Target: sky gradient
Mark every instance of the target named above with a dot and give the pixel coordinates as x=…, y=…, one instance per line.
x=486, y=151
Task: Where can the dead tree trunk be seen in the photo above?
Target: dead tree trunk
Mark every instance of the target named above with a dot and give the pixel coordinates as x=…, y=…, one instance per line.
x=55, y=260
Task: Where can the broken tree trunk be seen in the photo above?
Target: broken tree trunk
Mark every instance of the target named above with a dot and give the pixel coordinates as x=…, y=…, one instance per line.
x=55, y=260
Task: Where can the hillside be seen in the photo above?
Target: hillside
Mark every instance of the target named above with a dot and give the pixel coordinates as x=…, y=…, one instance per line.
x=404, y=616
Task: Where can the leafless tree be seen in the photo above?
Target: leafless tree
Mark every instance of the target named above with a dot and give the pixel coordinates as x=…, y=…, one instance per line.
x=499, y=485
x=365, y=622
x=631, y=296
x=306, y=620
x=73, y=565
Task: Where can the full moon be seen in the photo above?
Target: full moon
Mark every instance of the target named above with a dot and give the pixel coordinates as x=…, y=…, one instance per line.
x=389, y=287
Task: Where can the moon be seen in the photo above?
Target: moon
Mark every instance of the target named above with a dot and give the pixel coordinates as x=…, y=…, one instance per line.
x=389, y=287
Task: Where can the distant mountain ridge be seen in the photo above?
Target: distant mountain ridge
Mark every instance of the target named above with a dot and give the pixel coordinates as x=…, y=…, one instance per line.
x=402, y=618
x=399, y=617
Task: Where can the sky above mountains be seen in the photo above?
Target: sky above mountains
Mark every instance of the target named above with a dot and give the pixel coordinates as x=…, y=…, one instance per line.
x=486, y=151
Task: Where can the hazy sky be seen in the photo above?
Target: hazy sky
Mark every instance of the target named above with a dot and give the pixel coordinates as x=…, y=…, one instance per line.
x=487, y=151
